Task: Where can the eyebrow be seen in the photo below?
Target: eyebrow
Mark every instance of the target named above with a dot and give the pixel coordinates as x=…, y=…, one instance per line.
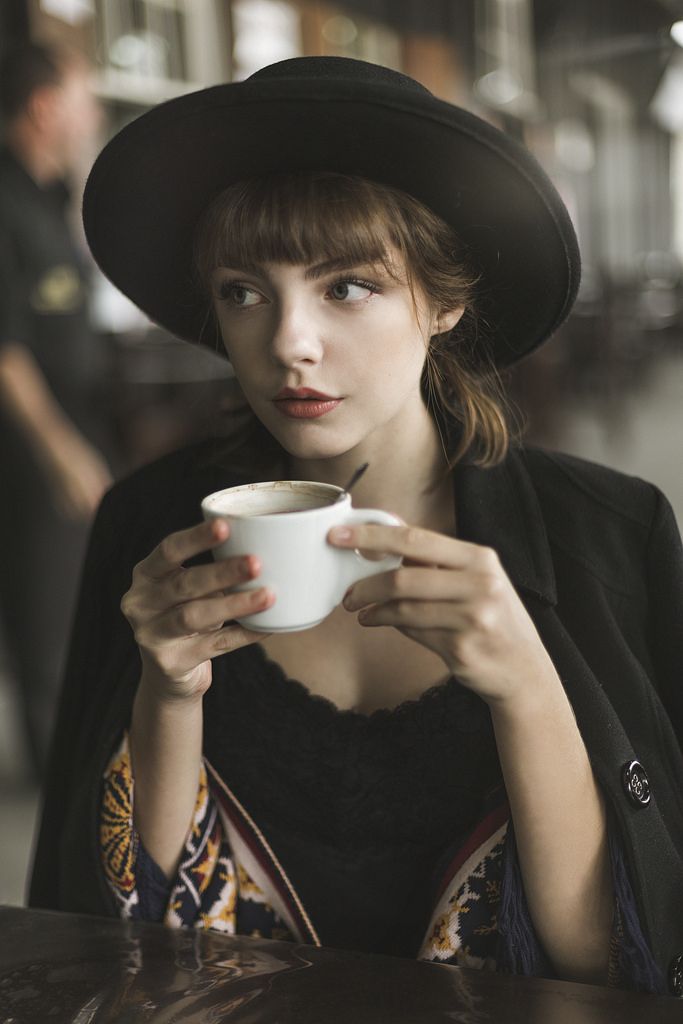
x=318, y=270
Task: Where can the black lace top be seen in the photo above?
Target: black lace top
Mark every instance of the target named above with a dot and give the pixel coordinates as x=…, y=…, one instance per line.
x=359, y=809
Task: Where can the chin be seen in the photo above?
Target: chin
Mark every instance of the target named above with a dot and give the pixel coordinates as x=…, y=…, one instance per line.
x=311, y=441
x=314, y=452
x=312, y=449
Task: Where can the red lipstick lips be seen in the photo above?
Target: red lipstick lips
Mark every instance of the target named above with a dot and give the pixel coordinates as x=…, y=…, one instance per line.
x=304, y=403
x=303, y=393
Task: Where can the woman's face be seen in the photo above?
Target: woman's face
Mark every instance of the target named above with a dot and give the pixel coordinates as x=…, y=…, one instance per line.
x=351, y=334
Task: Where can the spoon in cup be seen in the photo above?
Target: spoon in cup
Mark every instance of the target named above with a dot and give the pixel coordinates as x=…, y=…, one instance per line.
x=354, y=480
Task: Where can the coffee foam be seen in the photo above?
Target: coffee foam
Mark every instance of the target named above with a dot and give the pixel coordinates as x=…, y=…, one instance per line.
x=275, y=498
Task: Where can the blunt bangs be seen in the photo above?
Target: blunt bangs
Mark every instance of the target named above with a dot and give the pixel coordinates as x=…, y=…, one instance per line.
x=297, y=219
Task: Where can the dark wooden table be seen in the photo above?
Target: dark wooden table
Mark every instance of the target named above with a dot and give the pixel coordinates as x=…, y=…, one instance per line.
x=58, y=968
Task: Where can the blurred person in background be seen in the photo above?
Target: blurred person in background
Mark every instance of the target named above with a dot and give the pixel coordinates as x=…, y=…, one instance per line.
x=51, y=433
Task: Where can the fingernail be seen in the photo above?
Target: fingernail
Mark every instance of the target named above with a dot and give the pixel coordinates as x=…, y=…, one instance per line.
x=340, y=533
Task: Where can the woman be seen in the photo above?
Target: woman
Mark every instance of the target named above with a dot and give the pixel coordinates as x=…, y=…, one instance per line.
x=475, y=758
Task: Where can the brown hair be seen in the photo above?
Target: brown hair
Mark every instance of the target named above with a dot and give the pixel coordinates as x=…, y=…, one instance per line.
x=315, y=216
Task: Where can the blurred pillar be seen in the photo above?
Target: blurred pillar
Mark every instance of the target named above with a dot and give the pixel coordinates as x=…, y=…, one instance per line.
x=505, y=58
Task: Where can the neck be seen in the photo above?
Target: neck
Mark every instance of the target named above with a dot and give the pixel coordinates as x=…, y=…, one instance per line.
x=407, y=473
x=33, y=154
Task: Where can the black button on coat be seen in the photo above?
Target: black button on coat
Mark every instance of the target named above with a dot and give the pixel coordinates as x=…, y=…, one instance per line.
x=636, y=784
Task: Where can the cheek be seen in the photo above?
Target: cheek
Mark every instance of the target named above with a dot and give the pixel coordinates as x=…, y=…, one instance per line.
x=242, y=370
x=249, y=373
x=224, y=339
x=403, y=353
x=239, y=337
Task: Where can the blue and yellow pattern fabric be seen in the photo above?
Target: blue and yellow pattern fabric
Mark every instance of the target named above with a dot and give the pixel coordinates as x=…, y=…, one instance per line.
x=480, y=917
x=210, y=889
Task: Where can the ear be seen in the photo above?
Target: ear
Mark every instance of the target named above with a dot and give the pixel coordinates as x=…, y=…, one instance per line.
x=447, y=319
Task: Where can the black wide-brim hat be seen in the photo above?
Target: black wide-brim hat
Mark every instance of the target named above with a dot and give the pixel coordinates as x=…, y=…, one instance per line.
x=151, y=182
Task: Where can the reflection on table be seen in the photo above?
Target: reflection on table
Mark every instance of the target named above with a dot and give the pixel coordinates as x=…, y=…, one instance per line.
x=71, y=968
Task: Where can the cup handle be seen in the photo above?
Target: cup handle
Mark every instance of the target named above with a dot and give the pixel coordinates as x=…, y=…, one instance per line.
x=357, y=567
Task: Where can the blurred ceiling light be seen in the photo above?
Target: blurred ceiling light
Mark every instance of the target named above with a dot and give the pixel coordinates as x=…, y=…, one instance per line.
x=71, y=11
x=264, y=31
x=503, y=90
x=253, y=54
x=141, y=52
x=677, y=32
x=499, y=87
x=340, y=31
x=667, y=104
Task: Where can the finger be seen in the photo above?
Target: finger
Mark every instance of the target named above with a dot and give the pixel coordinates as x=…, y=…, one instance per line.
x=413, y=542
x=203, y=616
x=178, y=547
x=418, y=615
x=205, y=646
x=228, y=638
x=419, y=584
x=202, y=581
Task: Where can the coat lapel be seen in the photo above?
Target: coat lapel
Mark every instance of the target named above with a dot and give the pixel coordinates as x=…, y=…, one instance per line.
x=498, y=507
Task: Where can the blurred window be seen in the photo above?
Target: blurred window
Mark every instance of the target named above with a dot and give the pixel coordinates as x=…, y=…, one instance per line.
x=263, y=32
x=151, y=50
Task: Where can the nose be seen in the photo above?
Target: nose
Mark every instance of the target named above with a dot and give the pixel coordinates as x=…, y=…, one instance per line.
x=296, y=334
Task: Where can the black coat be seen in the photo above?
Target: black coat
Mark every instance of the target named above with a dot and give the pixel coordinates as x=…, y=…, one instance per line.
x=595, y=556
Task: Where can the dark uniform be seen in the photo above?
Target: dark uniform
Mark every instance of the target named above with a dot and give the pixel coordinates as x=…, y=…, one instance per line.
x=43, y=307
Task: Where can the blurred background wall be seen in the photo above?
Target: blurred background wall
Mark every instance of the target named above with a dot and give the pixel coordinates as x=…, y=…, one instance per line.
x=594, y=89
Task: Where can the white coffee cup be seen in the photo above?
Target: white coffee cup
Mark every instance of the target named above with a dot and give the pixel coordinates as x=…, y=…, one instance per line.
x=285, y=523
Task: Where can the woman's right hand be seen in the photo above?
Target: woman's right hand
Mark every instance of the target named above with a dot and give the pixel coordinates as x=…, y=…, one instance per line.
x=178, y=614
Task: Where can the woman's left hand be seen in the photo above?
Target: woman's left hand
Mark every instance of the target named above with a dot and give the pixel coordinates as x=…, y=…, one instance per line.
x=455, y=598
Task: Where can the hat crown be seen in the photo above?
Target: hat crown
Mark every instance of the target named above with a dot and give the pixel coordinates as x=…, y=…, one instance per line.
x=347, y=68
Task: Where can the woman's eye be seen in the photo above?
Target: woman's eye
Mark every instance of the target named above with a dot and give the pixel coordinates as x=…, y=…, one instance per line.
x=353, y=290
x=238, y=294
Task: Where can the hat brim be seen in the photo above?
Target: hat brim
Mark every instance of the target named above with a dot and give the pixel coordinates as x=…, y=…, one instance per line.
x=152, y=181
